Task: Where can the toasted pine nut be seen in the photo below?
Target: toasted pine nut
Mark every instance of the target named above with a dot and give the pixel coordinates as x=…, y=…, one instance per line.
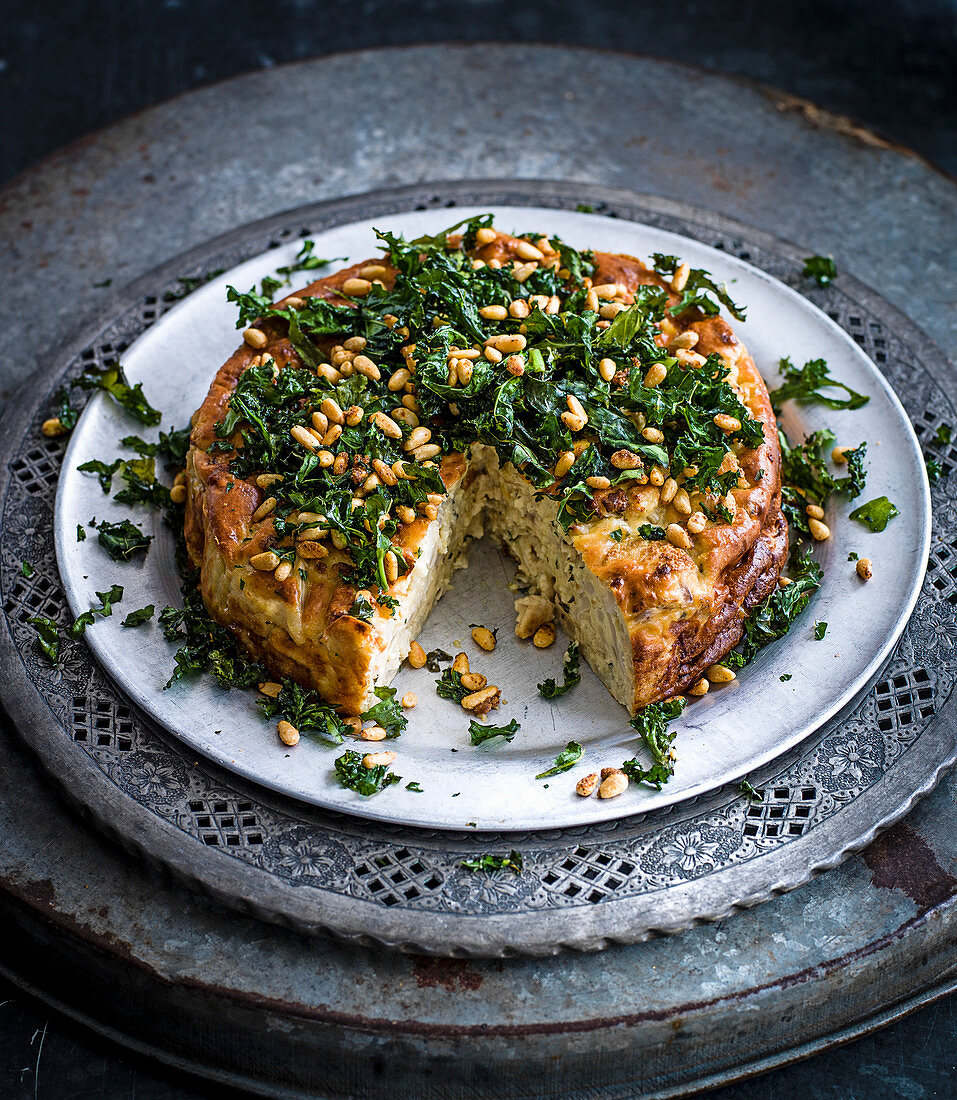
x=626, y=460
x=587, y=785
x=384, y=472
x=265, y=480
x=427, y=451
x=473, y=680
x=815, y=511
x=265, y=562
x=409, y=700
x=565, y=462
x=484, y=638
x=405, y=513
x=839, y=455
x=310, y=549
x=417, y=657
x=657, y=476
x=520, y=272
x=572, y=422
x=608, y=368
x=283, y=571
x=518, y=309
x=493, y=355
x=686, y=339
x=611, y=310
x=364, y=365
x=689, y=358
x=655, y=375
x=864, y=569
x=356, y=288
x=304, y=437
x=576, y=408
x=329, y=372
x=270, y=688
x=377, y=759
x=399, y=379
x=255, y=338
x=401, y=415
x=682, y=503
x=697, y=522
x=720, y=674
x=372, y=733
x=53, y=427
x=507, y=342
x=544, y=636
x=678, y=536
x=356, y=343
x=485, y=235
x=386, y=425
x=653, y=435
x=372, y=271
x=320, y=422
x=680, y=278
x=819, y=531
x=264, y=509
x=727, y=423
x=288, y=733
x=515, y=365
x=606, y=291
x=332, y=436
x=614, y=785
x=700, y=687
x=461, y=662
x=391, y=566
x=668, y=490
x=417, y=437
x=178, y=494
x=597, y=482
x=482, y=696
x=493, y=312
x=528, y=251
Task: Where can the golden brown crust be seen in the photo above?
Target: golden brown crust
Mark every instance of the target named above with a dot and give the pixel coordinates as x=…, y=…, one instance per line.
x=683, y=609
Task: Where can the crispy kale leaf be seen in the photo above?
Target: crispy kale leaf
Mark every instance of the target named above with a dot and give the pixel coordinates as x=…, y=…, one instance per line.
x=549, y=689
x=479, y=733
x=123, y=540
x=138, y=618
x=112, y=380
x=700, y=290
x=307, y=711
x=449, y=685
x=387, y=713
x=806, y=384
x=487, y=862
x=651, y=722
x=104, y=611
x=48, y=637
x=876, y=514
x=567, y=758
x=365, y=781
x=822, y=269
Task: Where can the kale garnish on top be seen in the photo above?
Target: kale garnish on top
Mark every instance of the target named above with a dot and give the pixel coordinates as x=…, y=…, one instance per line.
x=434, y=307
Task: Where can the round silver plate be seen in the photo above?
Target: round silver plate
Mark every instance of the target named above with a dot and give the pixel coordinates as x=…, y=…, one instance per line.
x=734, y=730
x=584, y=886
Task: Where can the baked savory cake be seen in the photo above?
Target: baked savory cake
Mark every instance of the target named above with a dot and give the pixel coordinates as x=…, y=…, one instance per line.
x=596, y=416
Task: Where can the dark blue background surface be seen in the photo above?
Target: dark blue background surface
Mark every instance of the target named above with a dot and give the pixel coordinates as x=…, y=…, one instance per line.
x=72, y=66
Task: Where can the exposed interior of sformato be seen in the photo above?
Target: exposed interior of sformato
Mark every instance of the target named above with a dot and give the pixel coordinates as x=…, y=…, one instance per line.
x=596, y=416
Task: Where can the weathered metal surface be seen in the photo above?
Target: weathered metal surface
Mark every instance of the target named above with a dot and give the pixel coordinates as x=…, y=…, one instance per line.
x=800, y=971
x=614, y=882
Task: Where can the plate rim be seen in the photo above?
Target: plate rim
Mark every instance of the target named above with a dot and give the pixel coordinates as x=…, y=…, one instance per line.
x=149, y=836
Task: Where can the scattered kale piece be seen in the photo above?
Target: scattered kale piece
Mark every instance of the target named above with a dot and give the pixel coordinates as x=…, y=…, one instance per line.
x=26, y=569
x=104, y=283
x=138, y=618
x=772, y=618
x=173, y=446
x=449, y=686
x=785, y=677
x=48, y=637
x=141, y=485
x=567, y=758
x=822, y=269
x=102, y=470
x=307, y=711
x=746, y=789
x=362, y=780
x=617, y=535
x=700, y=290
x=512, y=862
x=204, y=645
x=123, y=540
x=433, y=659
x=651, y=532
x=479, y=733
x=549, y=689
x=934, y=469
x=112, y=380
x=805, y=384
x=416, y=787
x=80, y=533
x=66, y=413
x=943, y=435
x=362, y=609
x=820, y=629
x=853, y=556
x=804, y=468
x=876, y=513
x=585, y=208
x=387, y=713
x=104, y=611
x=651, y=722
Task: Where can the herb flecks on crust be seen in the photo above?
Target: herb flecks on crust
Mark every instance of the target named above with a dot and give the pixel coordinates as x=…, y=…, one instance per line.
x=433, y=349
